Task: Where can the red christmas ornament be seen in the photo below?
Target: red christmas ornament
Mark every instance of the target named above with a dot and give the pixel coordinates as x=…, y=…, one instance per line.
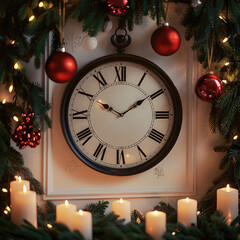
x=24, y=135
x=209, y=87
x=117, y=7
x=165, y=40
x=61, y=67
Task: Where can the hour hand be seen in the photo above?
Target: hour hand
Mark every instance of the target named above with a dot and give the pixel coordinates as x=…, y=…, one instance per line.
x=106, y=106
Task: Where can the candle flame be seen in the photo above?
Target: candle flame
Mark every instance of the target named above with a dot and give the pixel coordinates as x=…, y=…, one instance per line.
x=80, y=212
x=24, y=188
x=187, y=199
x=121, y=200
x=66, y=202
x=228, y=188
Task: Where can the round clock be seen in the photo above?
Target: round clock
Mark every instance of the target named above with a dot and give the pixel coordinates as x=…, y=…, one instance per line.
x=121, y=114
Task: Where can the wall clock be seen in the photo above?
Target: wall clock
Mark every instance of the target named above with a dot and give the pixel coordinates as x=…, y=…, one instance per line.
x=121, y=114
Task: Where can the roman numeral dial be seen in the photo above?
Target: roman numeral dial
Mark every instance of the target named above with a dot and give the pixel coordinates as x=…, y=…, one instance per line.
x=121, y=115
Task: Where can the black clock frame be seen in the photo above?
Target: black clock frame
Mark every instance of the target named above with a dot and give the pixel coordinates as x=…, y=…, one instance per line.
x=177, y=106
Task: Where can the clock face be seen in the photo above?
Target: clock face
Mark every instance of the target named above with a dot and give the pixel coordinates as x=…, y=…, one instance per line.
x=121, y=114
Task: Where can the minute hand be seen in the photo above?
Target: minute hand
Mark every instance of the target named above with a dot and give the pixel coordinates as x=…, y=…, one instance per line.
x=138, y=103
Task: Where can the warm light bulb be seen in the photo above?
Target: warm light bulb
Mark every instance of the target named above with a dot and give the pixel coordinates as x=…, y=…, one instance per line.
x=187, y=199
x=4, y=101
x=5, y=212
x=155, y=212
x=121, y=200
x=66, y=202
x=227, y=63
x=198, y=212
x=173, y=233
x=235, y=137
x=16, y=66
x=224, y=81
x=24, y=188
x=8, y=208
x=49, y=225
x=228, y=188
x=4, y=190
x=225, y=40
x=31, y=18
x=15, y=118
x=12, y=42
x=10, y=89
x=41, y=4
x=80, y=212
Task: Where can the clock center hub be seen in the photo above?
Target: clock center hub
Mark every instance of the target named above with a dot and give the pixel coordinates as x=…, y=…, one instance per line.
x=116, y=117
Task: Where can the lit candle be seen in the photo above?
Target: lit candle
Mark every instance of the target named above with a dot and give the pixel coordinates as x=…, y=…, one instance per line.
x=25, y=207
x=155, y=224
x=187, y=211
x=227, y=202
x=122, y=208
x=64, y=213
x=82, y=221
x=15, y=187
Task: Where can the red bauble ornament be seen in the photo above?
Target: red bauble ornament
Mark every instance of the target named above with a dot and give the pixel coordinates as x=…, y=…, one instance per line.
x=117, y=7
x=24, y=135
x=165, y=40
x=61, y=67
x=209, y=87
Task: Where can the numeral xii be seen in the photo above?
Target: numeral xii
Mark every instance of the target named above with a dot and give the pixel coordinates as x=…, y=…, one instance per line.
x=121, y=73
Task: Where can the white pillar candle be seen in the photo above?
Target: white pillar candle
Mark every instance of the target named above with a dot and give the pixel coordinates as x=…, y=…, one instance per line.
x=187, y=211
x=25, y=207
x=227, y=202
x=64, y=213
x=155, y=224
x=122, y=208
x=15, y=187
x=82, y=221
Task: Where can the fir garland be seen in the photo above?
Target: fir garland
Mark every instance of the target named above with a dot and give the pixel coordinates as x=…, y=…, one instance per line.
x=24, y=28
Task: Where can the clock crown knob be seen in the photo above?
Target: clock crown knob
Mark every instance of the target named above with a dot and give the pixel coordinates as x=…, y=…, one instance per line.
x=120, y=39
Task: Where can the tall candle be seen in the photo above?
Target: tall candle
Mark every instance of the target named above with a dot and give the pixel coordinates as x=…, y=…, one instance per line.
x=64, y=213
x=122, y=208
x=227, y=202
x=82, y=221
x=15, y=187
x=155, y=224
x=187, y=211
x=25, y=207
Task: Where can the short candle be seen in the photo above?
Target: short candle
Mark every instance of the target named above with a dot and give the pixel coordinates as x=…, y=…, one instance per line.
x=64, y=213
x=82, y=221
x=122, y=208
x=187, y=211
x=227, y=202
x=155, y=224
